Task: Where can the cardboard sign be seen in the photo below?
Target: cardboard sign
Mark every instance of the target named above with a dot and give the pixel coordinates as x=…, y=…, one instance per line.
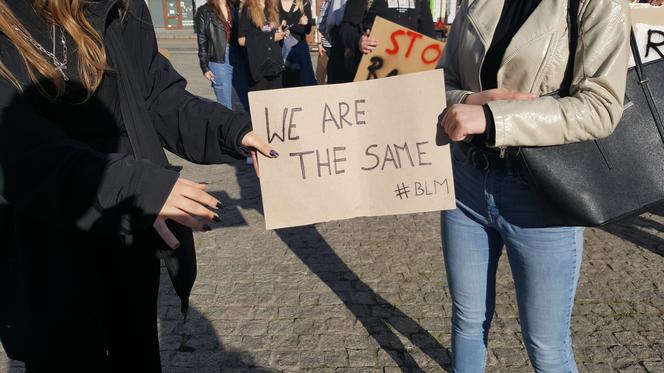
x=400, y=51
x=356, y=149
x=648, y=26
x=647, y=14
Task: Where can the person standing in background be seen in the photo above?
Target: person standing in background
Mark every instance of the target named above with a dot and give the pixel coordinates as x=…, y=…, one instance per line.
x=359, y=16
x=260, y=35
x=214, y=27
x=297, y=16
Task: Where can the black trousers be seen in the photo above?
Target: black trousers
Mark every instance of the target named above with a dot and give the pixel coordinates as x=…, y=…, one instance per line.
x=273, y=82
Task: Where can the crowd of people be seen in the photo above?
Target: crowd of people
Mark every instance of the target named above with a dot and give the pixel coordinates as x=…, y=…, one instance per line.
x=88, y=104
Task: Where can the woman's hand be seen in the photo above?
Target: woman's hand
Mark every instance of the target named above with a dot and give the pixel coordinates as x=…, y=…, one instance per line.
x=367, y=44
x=497, y=94
x=304, y=20
x=189, y=205
x=279, y=36
x=461, y=121
x=209, y=76
x=256, y=145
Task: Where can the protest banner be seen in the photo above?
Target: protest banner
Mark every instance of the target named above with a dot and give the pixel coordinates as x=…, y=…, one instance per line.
x=648, y=26
x=400, y=51
x=356, y=149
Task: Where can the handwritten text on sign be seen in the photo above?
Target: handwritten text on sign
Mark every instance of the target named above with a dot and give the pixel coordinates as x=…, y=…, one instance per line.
x=348, y=150
x=400, y=51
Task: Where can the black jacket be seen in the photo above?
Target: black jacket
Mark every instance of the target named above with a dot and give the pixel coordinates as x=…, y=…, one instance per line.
x=263, y=53
x=212, y=36
x=78, y=254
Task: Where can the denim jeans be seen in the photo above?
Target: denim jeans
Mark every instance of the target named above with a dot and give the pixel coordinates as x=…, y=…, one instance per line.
x=496, y=209
x=223, y=81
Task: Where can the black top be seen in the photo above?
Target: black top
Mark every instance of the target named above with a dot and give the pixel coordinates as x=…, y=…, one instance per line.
x=263, y=53
x=514, y=15
x=292, y=17
x=413, y=14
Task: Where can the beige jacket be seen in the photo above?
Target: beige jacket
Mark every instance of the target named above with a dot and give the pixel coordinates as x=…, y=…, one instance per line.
x=535, y=62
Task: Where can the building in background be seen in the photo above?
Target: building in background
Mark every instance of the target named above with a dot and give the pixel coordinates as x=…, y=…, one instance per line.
x=173, y=14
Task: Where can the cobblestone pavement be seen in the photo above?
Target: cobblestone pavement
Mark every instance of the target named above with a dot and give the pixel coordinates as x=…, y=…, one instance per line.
x=369, y=295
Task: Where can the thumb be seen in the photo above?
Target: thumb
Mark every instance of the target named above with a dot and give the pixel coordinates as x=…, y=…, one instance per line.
x=166, y=234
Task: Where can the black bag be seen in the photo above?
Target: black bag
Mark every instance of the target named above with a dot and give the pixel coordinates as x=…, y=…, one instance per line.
x=593, y=183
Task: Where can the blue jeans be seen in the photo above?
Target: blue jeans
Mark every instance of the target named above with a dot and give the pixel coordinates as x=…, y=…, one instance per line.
x=496, y=208
x=223, y=81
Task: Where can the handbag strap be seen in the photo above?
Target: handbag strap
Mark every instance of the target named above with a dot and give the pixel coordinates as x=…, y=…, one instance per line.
x=645, y=86
x=573, y=15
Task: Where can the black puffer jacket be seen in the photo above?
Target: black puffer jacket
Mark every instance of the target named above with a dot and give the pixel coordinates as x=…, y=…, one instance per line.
x=212, y=37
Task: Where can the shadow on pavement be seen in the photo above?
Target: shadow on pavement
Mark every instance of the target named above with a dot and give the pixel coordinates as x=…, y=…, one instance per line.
x=635, y=230
x=193, y=345
x=381, y=319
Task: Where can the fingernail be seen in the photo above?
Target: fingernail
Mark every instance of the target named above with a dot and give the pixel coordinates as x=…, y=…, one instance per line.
x=207, y=228
x=177, y=246
x=204, y=183
x=216, y=219
x=219, y=206
x=274, y=154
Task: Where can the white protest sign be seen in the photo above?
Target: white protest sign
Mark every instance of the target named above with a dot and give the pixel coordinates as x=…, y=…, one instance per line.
x=357, y=149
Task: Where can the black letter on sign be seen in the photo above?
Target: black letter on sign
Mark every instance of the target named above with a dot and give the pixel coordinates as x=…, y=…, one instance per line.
x=394, y=72
x=291, y=125
x=301, y=155
x=330, y=119
x=276, y=134
x=652, y=44
x=323, y=164
x=420, y=153
x=376, y=64
x=337, y=170
x=358, y=112
x=373, y=155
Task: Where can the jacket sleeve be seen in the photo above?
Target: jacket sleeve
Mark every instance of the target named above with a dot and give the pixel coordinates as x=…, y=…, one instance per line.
x=350, y=29
x=301, y=31
x=201, y=32
x=44, y=171
x=598, y=89
x=450, y=60
x=199, y=130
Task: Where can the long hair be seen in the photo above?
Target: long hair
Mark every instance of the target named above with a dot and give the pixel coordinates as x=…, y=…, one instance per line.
x=70, y=15
x=257, y=14
x=214, y=4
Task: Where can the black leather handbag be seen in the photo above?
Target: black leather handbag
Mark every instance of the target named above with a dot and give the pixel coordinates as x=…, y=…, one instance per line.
x=593, y=183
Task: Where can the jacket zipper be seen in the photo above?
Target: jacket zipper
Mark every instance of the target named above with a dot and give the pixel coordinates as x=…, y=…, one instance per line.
x=503, y=150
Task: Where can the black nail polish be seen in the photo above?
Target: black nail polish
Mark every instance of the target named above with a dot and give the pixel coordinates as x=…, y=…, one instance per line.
x=207, y=228
x=216, y=219
x=219, y=206
x=274, y=154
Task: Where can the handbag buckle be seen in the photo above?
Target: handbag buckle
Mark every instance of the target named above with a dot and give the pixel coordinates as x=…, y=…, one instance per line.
x=476, y=160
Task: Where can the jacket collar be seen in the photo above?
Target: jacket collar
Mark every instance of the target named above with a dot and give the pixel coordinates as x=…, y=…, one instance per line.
x=99, y=12
x=485, y=14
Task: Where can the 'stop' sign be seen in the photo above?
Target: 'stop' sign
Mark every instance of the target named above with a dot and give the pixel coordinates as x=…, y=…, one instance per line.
x=400, y=51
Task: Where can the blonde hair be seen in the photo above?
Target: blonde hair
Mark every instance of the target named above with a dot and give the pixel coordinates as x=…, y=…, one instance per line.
x=257, y=14
x=70, y=15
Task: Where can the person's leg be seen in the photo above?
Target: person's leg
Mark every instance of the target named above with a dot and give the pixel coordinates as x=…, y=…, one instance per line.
x=545, y=264
x=471, y=249
x=227, y=81
x=307, y=77
x=223, y=82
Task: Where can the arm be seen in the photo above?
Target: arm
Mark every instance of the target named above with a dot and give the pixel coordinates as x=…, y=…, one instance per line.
x=350, y=30
x=196, y=129
x=425, y=24
x=596, y=104
x=450, y=61
x=44, y=171
x=201, y=32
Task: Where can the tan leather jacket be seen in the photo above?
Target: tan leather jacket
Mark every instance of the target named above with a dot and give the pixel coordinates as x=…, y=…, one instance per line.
x=535, y=62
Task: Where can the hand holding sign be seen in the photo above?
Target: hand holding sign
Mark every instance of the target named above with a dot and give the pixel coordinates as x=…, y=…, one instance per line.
x=367, y=44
